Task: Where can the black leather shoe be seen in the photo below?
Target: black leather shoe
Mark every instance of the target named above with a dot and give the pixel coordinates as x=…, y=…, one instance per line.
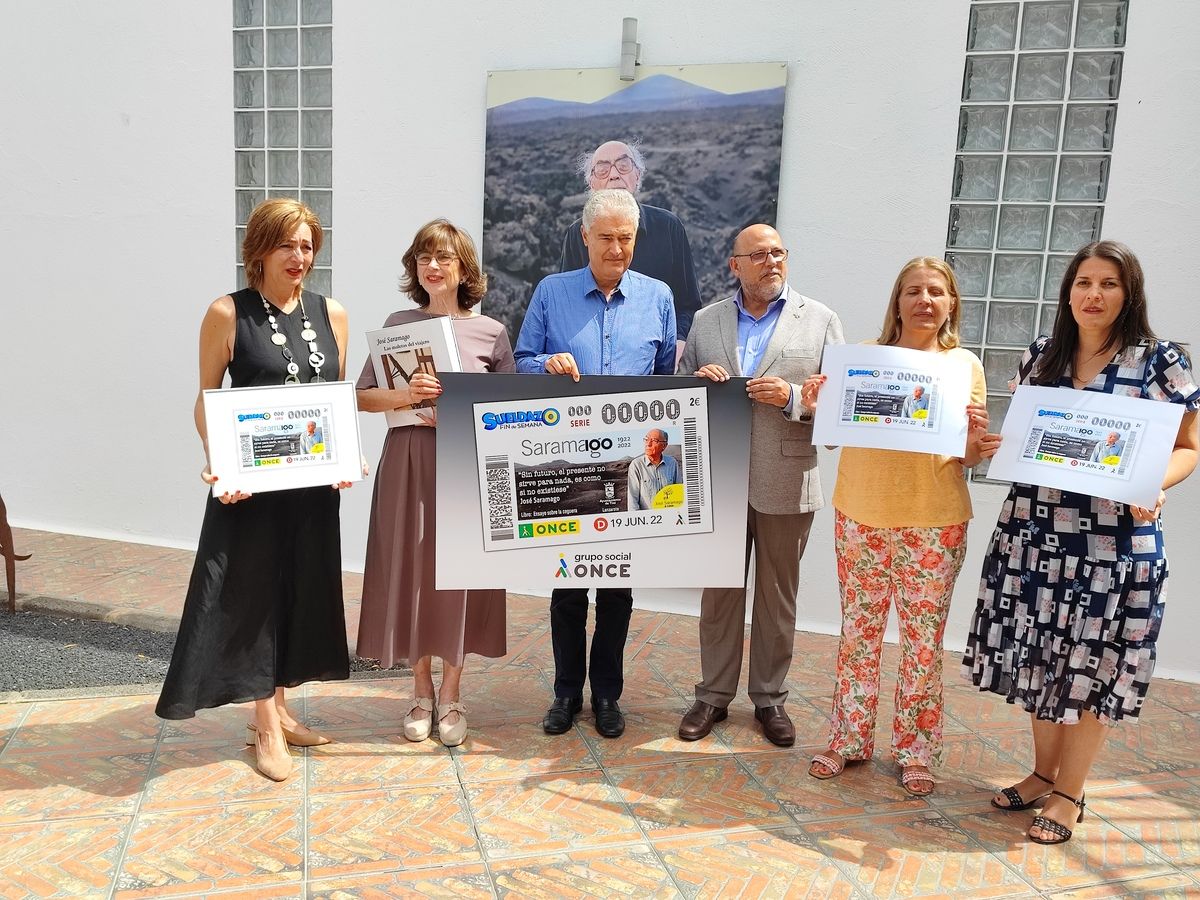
x=776, y=726
x=561, y=714
x=700, y=719
x=610, y=723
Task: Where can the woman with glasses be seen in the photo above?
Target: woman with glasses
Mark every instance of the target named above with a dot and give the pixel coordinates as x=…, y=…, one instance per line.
x=900, y=535
x=404, y=617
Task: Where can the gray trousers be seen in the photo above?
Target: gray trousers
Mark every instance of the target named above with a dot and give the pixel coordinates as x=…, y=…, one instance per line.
x=778, y=543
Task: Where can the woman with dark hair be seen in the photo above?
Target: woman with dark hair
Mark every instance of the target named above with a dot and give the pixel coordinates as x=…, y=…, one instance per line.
x=1073, y=587
x=404, y=617
x=264, y=605
x=900, y=536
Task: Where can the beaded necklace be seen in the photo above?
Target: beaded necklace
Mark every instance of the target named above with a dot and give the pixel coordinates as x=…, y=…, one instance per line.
x=316, y=358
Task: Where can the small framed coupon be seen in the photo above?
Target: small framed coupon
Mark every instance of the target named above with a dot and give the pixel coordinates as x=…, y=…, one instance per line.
x=282, y=437
x=892, y=398
x=1088, y=442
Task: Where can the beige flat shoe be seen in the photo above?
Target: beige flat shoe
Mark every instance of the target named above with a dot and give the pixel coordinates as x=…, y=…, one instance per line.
x=294, y=738
x=417, y=730
x=453, y=735
x=277, y=764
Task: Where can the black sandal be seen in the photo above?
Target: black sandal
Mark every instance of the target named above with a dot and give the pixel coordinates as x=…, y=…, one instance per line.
x=1061, y=832
x=1016, y=801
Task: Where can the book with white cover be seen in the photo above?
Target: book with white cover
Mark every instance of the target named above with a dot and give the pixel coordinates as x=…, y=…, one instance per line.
x=400, y=351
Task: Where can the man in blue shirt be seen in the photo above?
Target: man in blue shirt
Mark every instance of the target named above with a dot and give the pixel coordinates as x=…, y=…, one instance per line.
x=652, y=471
x=600, y=320
x=775, y=336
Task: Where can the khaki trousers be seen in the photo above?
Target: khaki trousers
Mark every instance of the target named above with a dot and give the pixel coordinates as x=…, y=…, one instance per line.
x=778, y=543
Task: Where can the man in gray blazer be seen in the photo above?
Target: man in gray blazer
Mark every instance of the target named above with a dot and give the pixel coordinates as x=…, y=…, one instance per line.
x=776, y=336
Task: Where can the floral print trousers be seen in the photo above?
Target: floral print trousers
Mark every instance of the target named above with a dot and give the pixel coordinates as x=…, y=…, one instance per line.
x=915, y=569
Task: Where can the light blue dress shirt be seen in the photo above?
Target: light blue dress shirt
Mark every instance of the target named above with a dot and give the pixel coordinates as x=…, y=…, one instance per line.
x=633, y=333
x=647, y=479
x=755, y=334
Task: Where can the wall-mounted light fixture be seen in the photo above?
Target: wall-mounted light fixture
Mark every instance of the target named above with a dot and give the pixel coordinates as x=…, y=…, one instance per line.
x=631, y=50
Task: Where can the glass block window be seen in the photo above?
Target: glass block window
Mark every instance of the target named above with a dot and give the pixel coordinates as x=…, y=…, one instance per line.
x=283, y=115
x=1040, y=90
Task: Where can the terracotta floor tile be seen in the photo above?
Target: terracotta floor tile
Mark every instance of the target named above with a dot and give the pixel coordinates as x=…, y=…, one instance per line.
x=379, y=760
x=87, y=726
x=1098, y=852
x=915, y=854
x=521, y=695
x=376, y=705
x=188, y=776
x=469, y=881
x=242, y=845
x=147, y=591
x=61, y=858
x=225, y=724
x=633, y=871
x=549, y=814
x=520, y=750
x=1156, y=887
x=1182, y=695
x=696, y=796
x=651, y=738
x=1163, y=814
x=974, y=768
x=377, y=831
x=11, y=716
x=757, y=864
x=61, y=578
x=861, y=789
x=57, y=785
x=744, y=734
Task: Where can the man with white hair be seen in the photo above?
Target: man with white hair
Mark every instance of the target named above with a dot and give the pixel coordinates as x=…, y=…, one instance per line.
x=663, y=251
x=602, y=319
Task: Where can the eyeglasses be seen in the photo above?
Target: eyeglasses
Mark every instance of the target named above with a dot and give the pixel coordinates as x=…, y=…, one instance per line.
x=623, y=164
x=758, y=257
x=650, y=440
x=443, y=257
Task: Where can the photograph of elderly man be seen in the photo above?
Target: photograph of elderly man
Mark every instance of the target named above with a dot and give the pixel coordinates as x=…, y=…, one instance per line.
x=775, y=335
x=653, y=471
x=698, y=147
x=663, y=251
x=603, y=319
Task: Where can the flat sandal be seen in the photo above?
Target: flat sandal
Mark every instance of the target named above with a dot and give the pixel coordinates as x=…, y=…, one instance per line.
x=1016, y=802
x=1061, y=832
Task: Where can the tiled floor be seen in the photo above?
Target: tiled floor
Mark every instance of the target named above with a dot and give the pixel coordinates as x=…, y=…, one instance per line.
x=98, y=798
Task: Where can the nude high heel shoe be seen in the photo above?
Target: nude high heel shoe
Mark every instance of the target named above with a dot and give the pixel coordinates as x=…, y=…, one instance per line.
x=417, y=730
x=294, y=738
x=275, y=764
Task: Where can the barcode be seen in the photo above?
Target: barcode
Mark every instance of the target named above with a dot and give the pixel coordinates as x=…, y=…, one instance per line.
x=848, y=404
x=693, y=457
x=247, y=443
x=1031, y=446
x=1127, y=453
x=326, y=437
x=499, y=494
x=931, y=416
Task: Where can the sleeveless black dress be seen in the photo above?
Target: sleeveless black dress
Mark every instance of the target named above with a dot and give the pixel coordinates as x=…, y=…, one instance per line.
x=264, y=605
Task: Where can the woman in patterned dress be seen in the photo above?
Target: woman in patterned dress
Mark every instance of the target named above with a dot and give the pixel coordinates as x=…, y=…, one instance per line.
x=900, y=535
x=1073, y=586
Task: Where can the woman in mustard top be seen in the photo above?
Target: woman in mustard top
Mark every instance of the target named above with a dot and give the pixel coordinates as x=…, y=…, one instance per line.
x=900, y=531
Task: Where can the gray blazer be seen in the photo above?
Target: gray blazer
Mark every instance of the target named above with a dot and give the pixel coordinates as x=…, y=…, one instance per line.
x=784, y=478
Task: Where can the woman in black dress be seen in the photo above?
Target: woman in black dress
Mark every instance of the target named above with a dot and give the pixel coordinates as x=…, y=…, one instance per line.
x=264, y=605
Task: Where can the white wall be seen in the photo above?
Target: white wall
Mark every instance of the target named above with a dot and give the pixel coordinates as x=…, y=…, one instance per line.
x=118, y=220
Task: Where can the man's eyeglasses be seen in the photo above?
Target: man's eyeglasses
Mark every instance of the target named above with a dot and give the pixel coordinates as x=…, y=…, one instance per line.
x=623, y=164
x=758, y=257
x=443, y=257
x=653, y=441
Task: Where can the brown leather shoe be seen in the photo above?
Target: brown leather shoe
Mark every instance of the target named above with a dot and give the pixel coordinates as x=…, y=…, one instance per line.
x=776, y=726
x=700, y=719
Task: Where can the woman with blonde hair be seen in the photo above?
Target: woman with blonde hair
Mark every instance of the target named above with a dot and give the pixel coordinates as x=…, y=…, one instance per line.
x=900, y=533
x=264, y=605
x=405, y=618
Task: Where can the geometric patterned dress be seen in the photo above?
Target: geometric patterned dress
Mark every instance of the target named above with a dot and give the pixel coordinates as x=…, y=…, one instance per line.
x=1072, y=592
